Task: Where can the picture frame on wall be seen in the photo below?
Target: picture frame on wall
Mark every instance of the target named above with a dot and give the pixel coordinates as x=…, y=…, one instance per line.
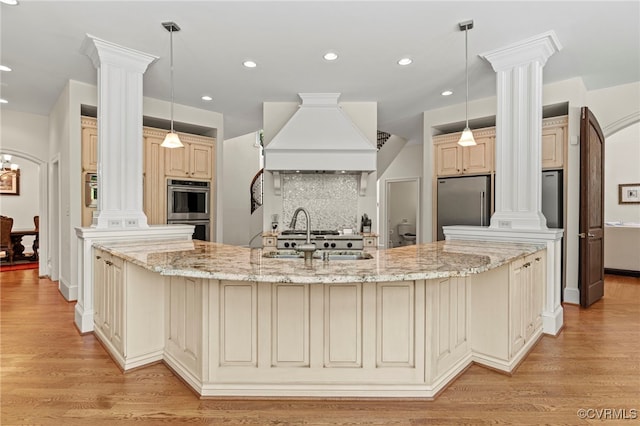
x=10, y=182
x=629, y=193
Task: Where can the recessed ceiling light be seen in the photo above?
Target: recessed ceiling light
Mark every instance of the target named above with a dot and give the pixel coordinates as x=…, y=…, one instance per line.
x=9, y=2
x=330, y=56
x=405, y=61
x=207, y=98
x=4, y=68
x=447, y=93
x=4, y=101
x=249, y=64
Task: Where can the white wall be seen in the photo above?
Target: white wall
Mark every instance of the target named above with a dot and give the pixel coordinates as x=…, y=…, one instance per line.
x=242, y=162
x=407, y=165
x=622, y=166
x=25, y=137
x=402, y=199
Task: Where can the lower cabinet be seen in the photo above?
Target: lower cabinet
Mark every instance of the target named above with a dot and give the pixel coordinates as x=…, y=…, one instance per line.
x=244, y=338
x=128, y=310
x=109, y=299
x=526, y=293
x=506, y=313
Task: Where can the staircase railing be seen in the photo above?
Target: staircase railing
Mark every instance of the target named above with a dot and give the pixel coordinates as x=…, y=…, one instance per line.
x=256, y=191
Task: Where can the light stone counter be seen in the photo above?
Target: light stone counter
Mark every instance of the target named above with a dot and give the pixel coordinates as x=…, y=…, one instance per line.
x=207, y=260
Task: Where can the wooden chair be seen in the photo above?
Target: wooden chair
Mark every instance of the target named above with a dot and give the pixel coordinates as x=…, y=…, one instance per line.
x=36, y=242
x=6, y=223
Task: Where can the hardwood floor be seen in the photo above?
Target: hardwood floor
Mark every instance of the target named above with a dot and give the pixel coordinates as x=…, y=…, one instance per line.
x=51, y=375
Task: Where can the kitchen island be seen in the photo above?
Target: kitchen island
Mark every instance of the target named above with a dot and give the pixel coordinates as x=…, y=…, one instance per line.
x=230, y=321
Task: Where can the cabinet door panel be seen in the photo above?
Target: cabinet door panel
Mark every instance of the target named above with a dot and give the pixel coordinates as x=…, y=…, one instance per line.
x=478, y=158
x=516, y=308
x=449, y=159
x=200, y=161
x=89, y=148
x=177, y=162
x=155, y=185
x=552, y=147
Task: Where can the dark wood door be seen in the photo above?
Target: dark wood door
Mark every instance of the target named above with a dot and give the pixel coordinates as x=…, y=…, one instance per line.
x=591, y=209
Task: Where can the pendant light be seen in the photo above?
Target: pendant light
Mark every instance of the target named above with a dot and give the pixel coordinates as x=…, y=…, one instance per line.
x=466, y=139
x=171, y=140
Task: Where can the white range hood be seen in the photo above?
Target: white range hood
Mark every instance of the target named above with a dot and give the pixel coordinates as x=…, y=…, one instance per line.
x=320, y=136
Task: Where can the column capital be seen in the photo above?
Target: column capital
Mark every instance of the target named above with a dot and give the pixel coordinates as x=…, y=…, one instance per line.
x=104, y=52
x=534, y=49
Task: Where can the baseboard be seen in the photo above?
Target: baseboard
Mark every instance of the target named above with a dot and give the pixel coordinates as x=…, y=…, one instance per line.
x=571, y=295
x=625, y=272
x=69, y=292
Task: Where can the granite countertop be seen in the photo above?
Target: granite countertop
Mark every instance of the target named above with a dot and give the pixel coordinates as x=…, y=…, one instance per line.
x=200, y=259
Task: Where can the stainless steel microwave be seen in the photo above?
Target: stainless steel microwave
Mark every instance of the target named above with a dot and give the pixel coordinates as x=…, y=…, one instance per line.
x=188, y=199
x=91, y=190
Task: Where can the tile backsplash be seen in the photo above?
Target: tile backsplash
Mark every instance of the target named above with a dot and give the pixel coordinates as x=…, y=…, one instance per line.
x=330, y=199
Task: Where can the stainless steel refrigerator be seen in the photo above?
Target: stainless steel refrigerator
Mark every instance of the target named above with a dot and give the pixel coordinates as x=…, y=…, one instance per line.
x=552, y=198
x=463, y=201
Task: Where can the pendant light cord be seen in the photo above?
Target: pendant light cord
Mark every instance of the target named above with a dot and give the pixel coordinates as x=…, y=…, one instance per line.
x=466, y=72
x=171, y=56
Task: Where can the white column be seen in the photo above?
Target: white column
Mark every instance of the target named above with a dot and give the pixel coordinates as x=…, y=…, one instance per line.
x=519, y=131
x=120, y=146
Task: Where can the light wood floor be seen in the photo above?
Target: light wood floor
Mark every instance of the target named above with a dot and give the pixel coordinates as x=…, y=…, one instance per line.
x=52, y=375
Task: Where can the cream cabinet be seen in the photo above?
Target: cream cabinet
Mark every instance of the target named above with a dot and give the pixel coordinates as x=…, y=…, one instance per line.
x=453, y=159
x=128, y=304
x=109, y=299
x=554, y=141
x=89, y=144
x=526, y=297
x=154, y=181
x=195, y=160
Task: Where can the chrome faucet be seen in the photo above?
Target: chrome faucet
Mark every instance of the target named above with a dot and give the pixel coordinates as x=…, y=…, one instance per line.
x=294, y=219
x=308, y=247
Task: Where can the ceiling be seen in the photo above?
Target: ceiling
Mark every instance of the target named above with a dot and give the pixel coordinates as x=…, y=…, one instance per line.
x=41, y=40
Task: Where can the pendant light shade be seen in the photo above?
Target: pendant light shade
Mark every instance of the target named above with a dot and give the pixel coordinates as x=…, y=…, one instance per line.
x=171, y=140
x=466, y=139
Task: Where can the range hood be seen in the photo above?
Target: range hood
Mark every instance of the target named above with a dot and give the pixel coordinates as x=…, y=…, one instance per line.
x=320, y=136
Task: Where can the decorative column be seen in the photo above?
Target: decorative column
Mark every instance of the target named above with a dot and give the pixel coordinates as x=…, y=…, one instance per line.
x=120, y=146
x=518, y=196
x=519, y=131
x=119, y=215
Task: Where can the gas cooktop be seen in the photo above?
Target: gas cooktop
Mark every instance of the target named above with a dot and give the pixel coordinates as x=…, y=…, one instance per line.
x=323, y=239
x=313, y=232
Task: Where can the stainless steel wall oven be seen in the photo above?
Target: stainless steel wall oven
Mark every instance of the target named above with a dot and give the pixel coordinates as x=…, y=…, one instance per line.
x=188, y=202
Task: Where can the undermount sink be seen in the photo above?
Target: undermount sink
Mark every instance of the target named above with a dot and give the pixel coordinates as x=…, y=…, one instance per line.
x=319, y=255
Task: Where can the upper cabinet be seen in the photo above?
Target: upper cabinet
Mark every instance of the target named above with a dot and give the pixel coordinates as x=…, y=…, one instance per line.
x=195, y=160
x=554, y=140
x=89, y=144
x=452, y=159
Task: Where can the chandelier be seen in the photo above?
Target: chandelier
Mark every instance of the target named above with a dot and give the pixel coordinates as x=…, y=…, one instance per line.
x=7, y=165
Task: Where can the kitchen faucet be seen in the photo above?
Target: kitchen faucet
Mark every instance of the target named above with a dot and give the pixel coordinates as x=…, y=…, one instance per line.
x=308, y=247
